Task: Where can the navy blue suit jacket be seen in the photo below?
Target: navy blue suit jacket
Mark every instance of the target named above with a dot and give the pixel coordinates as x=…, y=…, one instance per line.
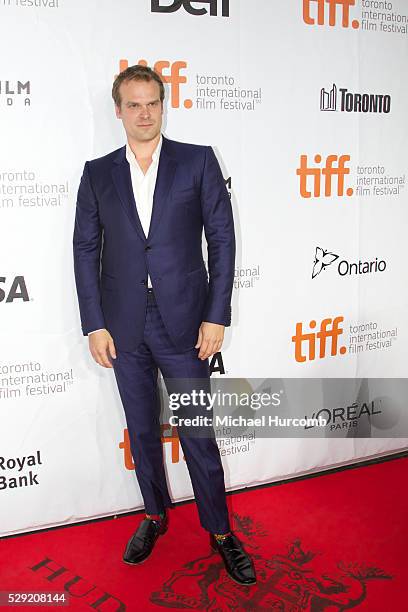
x=112, y=255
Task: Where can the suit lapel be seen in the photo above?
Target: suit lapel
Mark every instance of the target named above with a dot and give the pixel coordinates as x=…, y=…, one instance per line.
x=123, y=183
x=165, y=177
x=164, y=181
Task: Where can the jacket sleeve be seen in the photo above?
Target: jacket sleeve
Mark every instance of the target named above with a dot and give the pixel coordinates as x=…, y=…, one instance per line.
x=87, y=241
x=219, y=232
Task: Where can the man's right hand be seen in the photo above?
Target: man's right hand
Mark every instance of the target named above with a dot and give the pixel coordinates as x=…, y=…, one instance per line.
x=102, y=347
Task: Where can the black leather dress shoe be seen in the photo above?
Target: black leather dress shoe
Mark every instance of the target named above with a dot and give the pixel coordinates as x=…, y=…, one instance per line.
x=237, y=562
x=143, y=540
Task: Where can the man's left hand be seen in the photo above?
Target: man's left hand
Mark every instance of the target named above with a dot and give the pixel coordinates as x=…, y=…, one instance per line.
x=210, y=339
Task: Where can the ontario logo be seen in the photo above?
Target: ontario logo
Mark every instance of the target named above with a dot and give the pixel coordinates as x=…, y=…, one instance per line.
x=329, y=12
x=343, y=100
x=335, y=168
x=216, y=7
x=306, y=343
x=323, y=259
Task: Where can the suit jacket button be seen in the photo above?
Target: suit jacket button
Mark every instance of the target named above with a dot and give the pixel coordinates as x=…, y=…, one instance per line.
x=147, y=248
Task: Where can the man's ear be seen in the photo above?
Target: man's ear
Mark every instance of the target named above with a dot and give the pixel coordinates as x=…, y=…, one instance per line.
x=117, y=111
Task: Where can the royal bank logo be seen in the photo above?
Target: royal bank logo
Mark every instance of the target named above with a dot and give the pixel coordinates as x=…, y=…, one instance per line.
x=346, y=101
x=214, y=8
x=329, y=13
x=323, y=259
x=14, y=473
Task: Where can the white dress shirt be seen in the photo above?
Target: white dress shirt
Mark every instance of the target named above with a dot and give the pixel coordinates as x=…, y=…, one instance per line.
x=143, y=186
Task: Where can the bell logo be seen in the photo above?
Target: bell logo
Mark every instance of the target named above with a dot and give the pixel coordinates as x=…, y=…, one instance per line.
x=172, y=76
x=158, y=6
x=319, y=10
x=329, y=329
x=334, y=166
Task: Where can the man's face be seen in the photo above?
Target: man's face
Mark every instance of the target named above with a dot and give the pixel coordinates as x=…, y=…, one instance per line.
x=141, y=110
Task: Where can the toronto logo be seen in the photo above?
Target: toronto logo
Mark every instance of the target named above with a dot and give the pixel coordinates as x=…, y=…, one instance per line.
x=286, y=581
x=346, y=101
x=328, y=99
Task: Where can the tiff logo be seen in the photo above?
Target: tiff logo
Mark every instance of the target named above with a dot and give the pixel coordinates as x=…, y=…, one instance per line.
x=328, y=99
x=329, y=329
x=170, y=73
x=171, y=439
x=158, y=6
x=334, y=166
x=319, y=10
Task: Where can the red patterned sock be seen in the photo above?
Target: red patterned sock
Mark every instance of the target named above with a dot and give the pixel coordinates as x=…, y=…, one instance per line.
x=221, y=536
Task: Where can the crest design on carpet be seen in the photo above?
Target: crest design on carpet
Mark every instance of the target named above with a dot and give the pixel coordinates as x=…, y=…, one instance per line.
x=286, y=582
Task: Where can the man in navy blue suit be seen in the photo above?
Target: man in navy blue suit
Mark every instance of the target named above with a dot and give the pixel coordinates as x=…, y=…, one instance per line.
x=146, y=302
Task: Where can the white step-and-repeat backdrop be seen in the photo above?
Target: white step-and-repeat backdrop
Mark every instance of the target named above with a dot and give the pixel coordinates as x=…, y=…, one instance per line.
x=305, y=103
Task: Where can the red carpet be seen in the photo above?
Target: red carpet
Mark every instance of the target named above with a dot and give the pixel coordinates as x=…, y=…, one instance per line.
x=333, y=542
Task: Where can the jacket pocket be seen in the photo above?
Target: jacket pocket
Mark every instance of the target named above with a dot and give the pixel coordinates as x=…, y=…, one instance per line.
x=184, y=195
